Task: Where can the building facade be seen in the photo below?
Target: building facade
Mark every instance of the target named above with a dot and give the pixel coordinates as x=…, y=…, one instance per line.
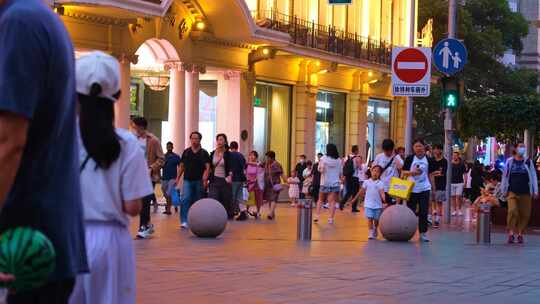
x=283, y=75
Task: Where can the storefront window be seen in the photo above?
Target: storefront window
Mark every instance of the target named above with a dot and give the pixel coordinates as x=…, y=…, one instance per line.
x=272, y=120
x=378, y=114
x=330, y=125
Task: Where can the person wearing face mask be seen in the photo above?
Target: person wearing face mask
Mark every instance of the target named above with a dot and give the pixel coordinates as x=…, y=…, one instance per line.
x=519, y=185
x=300, y=167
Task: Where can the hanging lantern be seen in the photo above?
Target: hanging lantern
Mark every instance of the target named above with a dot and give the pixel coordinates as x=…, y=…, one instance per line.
x=156, y=81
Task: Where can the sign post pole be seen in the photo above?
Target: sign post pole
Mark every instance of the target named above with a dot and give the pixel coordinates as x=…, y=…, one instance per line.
x=448, y=122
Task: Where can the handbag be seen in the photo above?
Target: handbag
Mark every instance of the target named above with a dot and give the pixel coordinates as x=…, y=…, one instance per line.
x=251, y=199
x=400, y=188
x=277, y=187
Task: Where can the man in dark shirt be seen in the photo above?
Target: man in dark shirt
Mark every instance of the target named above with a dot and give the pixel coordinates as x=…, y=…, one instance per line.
x=168, y=178
x=439, y=182
x=195, y=166
x=458, y=180
x=238, y=165
x=39, y=183
x=300, y=167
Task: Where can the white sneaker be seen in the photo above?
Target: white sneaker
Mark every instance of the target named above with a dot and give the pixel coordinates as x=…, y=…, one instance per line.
x=460, y=213
x=371, y=234
x=143, y=233
x=453, y=213
x=150, y=229
x=330, y=221
x=184, y=226
x=325, y=205
x=424, y=238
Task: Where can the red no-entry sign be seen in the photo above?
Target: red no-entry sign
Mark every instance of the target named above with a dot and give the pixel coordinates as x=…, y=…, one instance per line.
x=411, y=71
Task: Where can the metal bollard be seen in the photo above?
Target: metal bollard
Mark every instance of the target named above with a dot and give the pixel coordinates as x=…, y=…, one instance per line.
x=483, y=224
x=304, y=220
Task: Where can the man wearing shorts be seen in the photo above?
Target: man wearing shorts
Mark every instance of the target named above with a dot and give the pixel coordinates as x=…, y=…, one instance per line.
x=439, y=182
x=168, y=178
x=458, y=178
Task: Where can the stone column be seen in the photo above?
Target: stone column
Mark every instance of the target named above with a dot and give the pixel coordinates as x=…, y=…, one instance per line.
x=305, y=120
x=122, y=107
x=235, y=107
x=192, y=99
x=358, y=101
x=177, y=103
x=247, y=83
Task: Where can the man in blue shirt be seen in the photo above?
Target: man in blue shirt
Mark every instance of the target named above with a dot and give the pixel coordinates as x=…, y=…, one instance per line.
x=39, y=183
x=168, y=178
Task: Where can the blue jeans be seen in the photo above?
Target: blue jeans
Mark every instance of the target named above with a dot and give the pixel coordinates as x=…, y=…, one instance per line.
x=192, y=192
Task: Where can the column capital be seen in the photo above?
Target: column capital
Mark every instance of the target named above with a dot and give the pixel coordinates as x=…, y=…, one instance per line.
x=249, y=77
x=173, y=65
x=199, y=68
x=125, y=58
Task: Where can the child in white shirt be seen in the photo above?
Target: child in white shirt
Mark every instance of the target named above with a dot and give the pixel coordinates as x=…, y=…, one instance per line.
x=374, y=198
x=294, y=188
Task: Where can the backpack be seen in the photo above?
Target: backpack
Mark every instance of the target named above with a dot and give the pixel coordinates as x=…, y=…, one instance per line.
x=348, y=168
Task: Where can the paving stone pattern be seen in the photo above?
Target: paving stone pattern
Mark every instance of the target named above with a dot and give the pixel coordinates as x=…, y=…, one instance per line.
x=261, y=262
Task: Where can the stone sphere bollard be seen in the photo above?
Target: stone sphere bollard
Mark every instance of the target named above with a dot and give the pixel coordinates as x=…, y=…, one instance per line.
x=207, y=218
x=398, y=223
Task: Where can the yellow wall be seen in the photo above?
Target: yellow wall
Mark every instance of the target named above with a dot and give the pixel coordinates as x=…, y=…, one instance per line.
x=373, y=18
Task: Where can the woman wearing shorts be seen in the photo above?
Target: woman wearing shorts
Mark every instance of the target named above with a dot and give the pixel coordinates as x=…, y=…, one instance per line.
x=330, y=167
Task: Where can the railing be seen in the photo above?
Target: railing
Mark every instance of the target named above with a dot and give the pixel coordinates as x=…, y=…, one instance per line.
x=326, y=37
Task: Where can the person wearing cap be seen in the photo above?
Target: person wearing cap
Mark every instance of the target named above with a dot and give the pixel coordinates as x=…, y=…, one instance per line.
x=39, y=164
x=114, y=180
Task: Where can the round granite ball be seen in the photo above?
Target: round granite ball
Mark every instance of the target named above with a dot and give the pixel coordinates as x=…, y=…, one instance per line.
x=207, y=218
x=398, y=223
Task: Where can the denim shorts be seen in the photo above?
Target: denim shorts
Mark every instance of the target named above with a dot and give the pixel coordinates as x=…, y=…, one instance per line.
x=373, y=213
x=334, y=189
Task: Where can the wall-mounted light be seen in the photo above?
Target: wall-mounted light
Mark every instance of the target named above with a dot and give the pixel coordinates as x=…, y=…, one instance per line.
x=266, y=51
x=318, y=63
x=373, y=81
x=323, y=71
x=370, y=74
x=200, y=25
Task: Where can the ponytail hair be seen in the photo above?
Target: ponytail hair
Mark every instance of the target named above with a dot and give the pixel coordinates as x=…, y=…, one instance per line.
x=96, y=122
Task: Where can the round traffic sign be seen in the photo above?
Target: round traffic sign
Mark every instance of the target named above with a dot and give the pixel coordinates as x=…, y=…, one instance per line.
x=410, y=65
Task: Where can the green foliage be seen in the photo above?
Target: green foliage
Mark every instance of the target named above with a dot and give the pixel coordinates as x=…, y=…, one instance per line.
x=501, y=116
x=488, y=28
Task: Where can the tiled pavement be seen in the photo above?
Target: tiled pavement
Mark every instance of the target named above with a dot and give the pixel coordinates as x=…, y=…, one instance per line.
x=261, y=262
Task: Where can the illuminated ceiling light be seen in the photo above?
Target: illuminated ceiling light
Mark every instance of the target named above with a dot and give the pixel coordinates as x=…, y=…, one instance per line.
x=266, y=51
x=200, y=25
x=156, y=81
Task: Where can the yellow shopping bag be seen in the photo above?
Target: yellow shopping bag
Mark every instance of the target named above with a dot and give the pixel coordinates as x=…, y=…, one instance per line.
x=400, y=188
x=251, y=199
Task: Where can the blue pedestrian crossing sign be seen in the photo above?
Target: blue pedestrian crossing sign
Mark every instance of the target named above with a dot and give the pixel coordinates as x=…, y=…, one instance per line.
x=449, y=56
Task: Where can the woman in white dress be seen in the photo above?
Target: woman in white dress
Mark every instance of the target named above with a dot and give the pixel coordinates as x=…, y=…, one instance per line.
x=114, y=179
